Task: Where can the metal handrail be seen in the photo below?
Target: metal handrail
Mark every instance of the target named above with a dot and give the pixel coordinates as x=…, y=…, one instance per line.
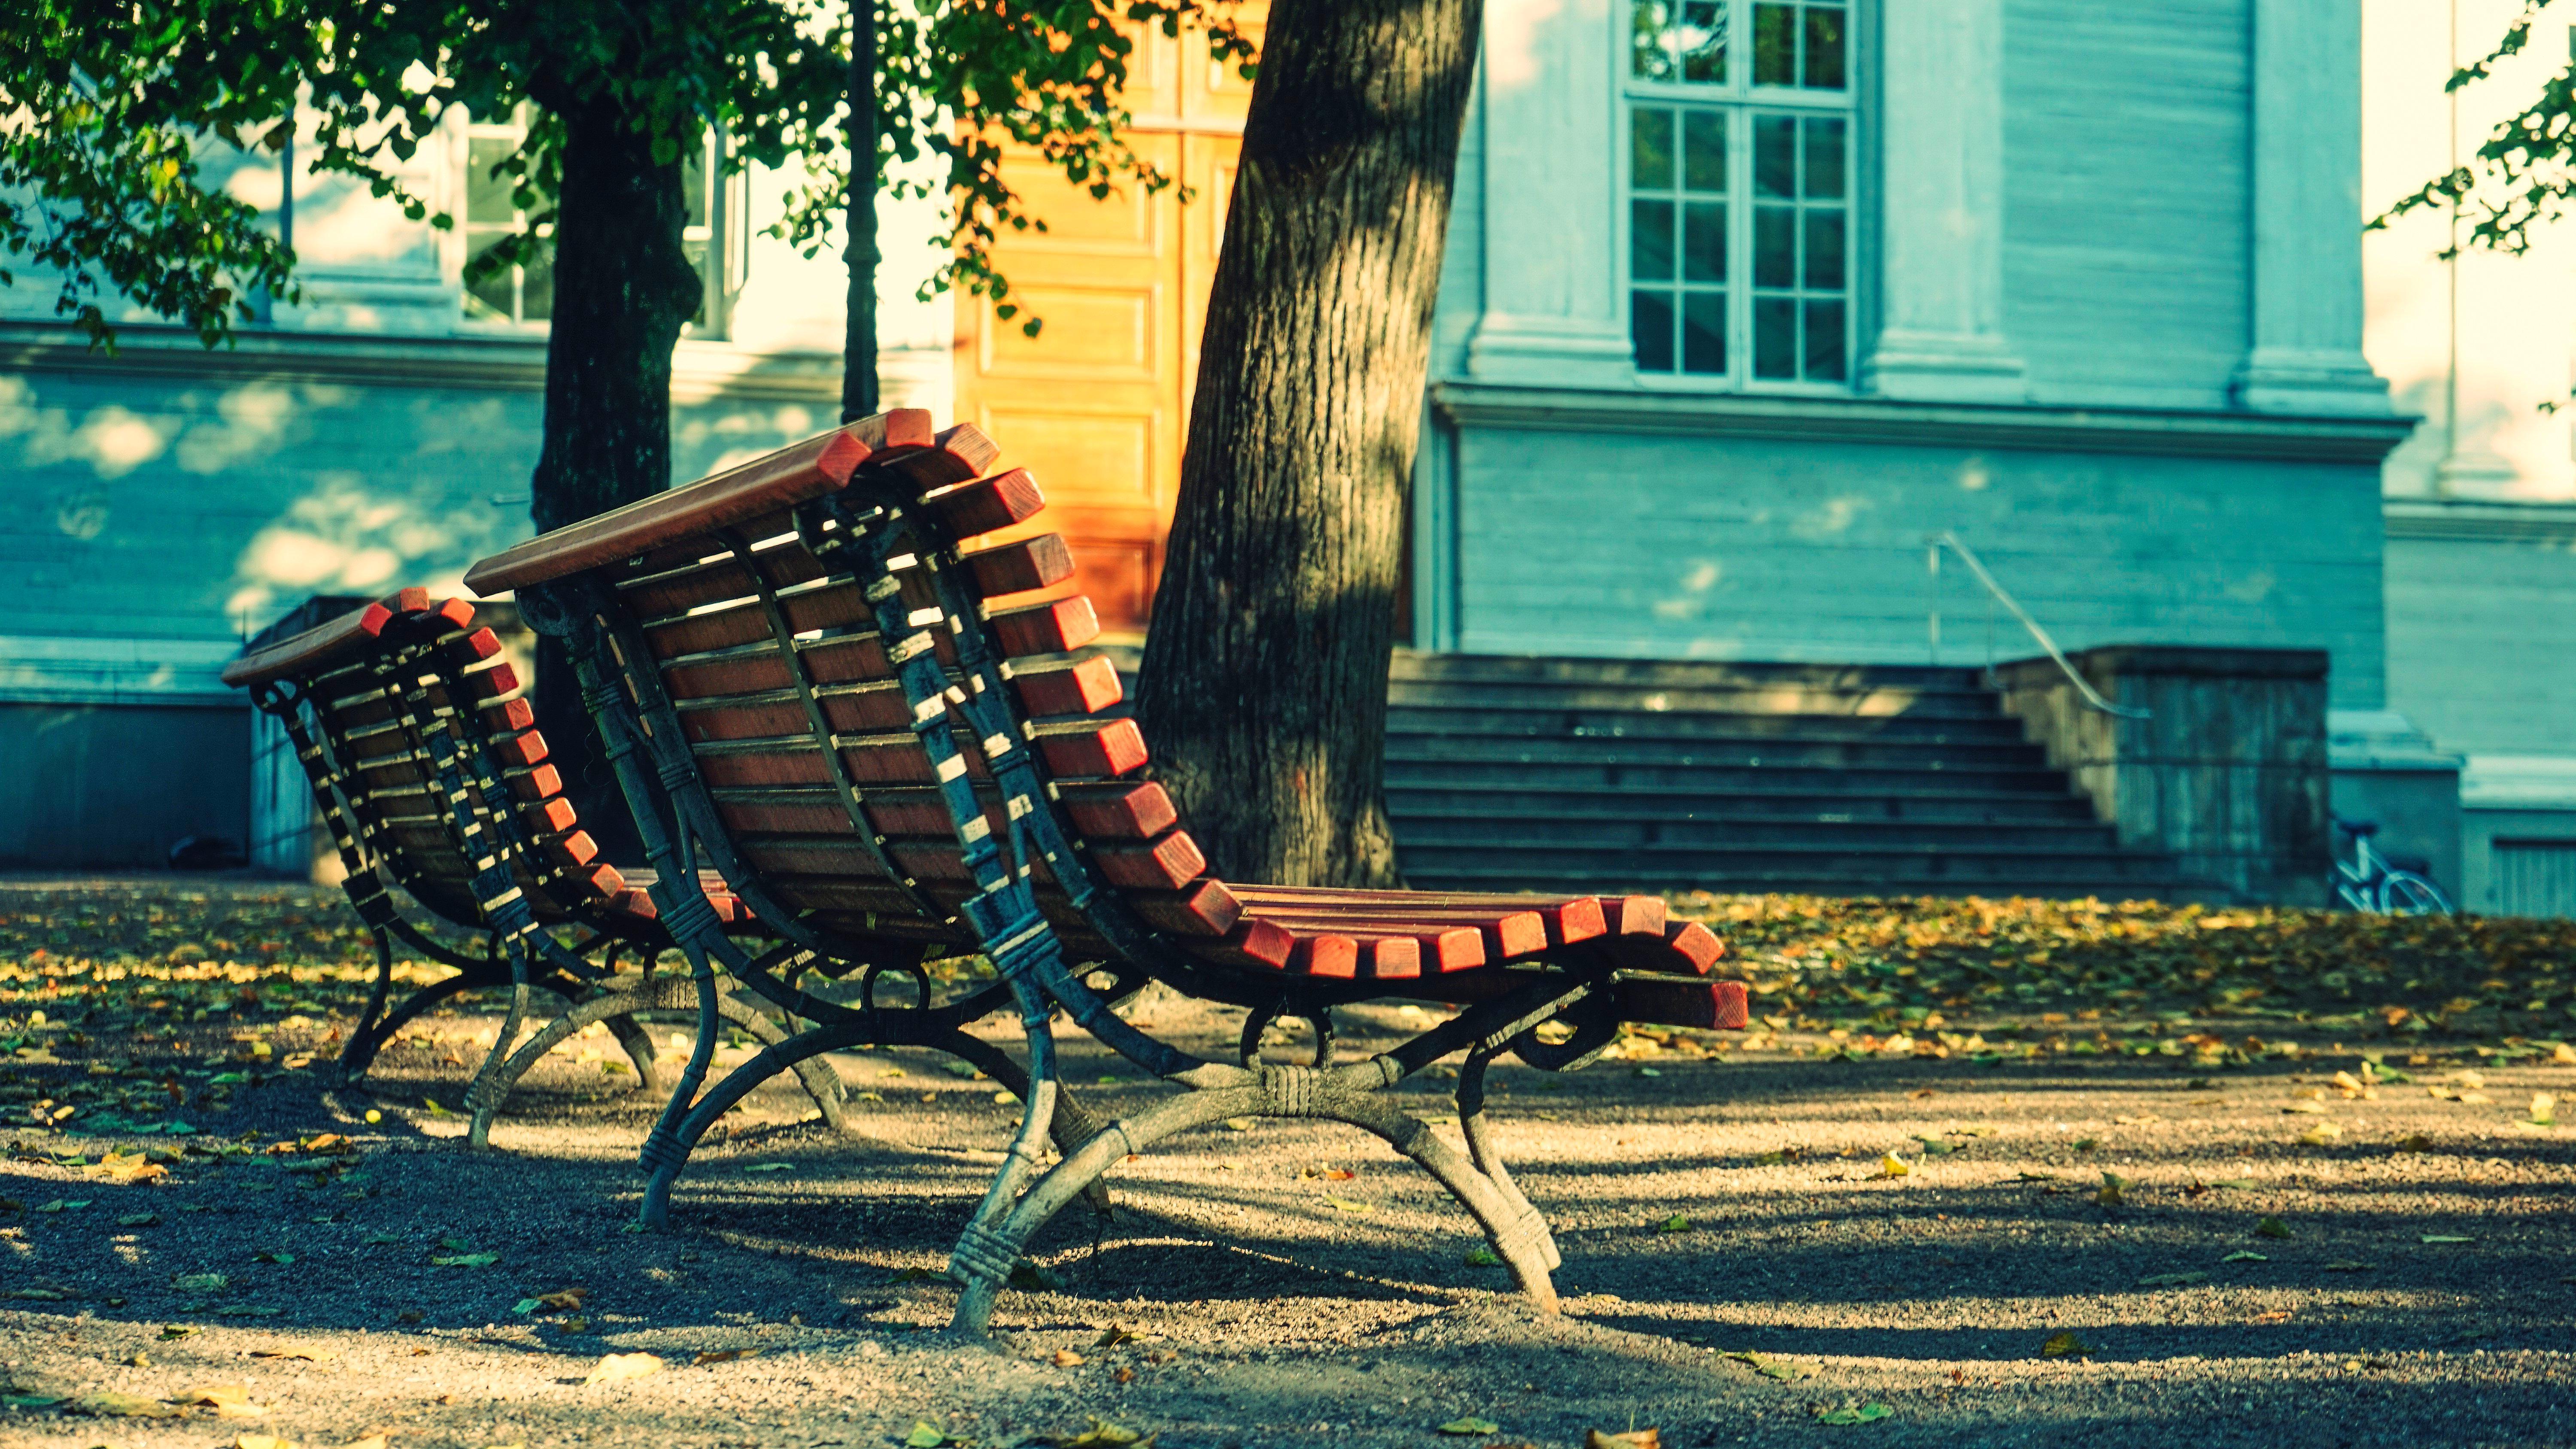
x=1947, y=539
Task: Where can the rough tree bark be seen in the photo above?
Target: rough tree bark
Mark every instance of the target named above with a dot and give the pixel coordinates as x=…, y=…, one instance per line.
x=623, y=290
x=1264, y=682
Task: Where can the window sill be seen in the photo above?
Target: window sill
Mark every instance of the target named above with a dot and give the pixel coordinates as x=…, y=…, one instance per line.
x=502, y=357
x=1848, y=419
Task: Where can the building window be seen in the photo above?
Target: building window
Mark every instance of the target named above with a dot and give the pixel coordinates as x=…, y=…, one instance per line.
x=525, y=291
x=1739, y=192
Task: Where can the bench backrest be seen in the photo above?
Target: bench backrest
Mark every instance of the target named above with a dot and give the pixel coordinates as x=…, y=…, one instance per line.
x=411, y=727
x=829, y=796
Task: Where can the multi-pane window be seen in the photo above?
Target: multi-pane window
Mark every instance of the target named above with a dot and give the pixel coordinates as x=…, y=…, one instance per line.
x=524, y=291
x=521, y=293
x=1739, y=191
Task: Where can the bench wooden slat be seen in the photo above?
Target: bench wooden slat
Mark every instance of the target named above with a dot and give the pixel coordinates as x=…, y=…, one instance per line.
x=986, y=504
x=791, y=475
x=1018, y=567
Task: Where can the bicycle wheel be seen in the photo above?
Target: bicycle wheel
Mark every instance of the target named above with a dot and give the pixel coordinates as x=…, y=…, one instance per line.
x=2404, y=893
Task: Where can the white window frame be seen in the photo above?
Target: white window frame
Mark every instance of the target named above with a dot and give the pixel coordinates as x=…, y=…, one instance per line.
x=724, y=235
x=1742, y=101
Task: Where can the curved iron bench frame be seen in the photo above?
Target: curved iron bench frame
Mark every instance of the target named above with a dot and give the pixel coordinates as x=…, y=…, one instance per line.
x=871, y=525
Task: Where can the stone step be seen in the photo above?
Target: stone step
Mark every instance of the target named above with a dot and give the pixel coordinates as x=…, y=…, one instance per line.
x=1535, y=860
x=1602, y=723
x=1549, y=798
x=1677, y=673
x=1409, y=770
x=1571, y=830
x=1716, y=749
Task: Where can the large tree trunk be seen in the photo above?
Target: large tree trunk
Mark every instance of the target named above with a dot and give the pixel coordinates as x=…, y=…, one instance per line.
x=1264, y=687
x=623, y=290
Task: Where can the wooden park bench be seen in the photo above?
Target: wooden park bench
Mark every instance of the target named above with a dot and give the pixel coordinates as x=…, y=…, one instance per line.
x=821, y=675
x=459, y=810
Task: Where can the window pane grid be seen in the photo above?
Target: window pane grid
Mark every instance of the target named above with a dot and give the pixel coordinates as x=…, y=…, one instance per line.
x=1739, y=226
x=1678, y=239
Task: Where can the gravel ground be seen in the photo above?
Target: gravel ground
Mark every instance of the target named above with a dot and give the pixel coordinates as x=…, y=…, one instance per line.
x=1298, y=1281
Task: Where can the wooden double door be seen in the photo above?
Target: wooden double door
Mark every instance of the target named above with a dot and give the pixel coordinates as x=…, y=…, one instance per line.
x=1096, y=406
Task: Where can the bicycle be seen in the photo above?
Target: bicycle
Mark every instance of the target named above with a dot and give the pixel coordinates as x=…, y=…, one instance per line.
x=2384, y=885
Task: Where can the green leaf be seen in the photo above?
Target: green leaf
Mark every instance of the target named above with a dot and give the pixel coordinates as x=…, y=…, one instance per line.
x=1471, y=1425
x=2272, y=1228
x=1345, y=1205
x=2172, y=1280
x=1674, y=1224
x=1482, y=1258
x=526, y=1305
x=926, y=1435
x=2065, y=1345
x=1865, y=1414
x=770, y=1167
x=2245, y=1258
x=466, y=1260
x=2445, y=1238
x=1769, y=1368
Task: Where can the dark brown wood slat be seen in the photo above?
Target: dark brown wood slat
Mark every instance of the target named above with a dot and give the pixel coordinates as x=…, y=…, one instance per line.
x=301, y=656
x=1068, y=686
x=1328, y=955
x=1058, y=626
x=1016, y=568
x=789, y=764
x=985, y=504
x=658, y=595
x=1444, y=948
x=1118, y=810
x=742, y=720
x=1506, y=934
x=1089, y=746
x=492, y=683
x=961, y=453
x=1258, y=944
x=1169, y=863
x=1202, y=908
x=844, y=857
x=783, y=812
x=750, y=672
x=832, y=607
x=791, y=475
x=1634, y=915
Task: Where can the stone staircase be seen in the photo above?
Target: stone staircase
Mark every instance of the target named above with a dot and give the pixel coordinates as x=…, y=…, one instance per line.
x=1598, y=774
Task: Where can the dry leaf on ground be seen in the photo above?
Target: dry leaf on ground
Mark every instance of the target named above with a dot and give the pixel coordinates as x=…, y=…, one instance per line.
x=2065, y=1345
x=722, y=1355
x=309, y=1355
x=621, y=1366
x=107, y=1404
x=1471, y=1425
x=231, y=1401
x=1633, y=1439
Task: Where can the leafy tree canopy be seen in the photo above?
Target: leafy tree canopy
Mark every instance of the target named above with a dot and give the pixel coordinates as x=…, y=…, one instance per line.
x=106, y=108
x=2521, y=177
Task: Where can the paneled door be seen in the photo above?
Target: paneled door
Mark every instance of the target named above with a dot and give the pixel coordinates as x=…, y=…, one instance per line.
x=1097, y=404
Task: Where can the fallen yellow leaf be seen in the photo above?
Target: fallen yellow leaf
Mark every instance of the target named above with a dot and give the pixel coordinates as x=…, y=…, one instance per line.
x=621, y=1366
x=230, y=1401
x=1067, y=1358
x=1891, y=1165
x=1633, y=1439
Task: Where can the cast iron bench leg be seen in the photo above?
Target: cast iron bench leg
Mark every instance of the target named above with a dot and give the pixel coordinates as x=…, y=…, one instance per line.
x=983, y=1259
